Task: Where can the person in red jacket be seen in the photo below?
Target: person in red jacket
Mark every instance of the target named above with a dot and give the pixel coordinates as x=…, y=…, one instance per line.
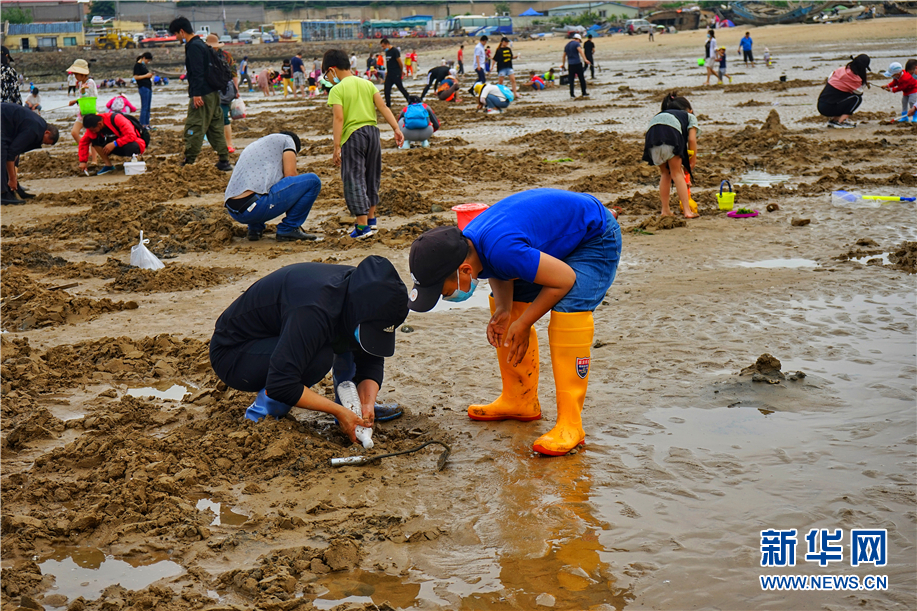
x=110, y=133
x=903, y=80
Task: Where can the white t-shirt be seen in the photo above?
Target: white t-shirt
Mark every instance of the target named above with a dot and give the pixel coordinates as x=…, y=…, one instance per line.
x=33, y=99
x=260, y=166
x=353, y=62
x=71, y=80
x=491, y=89
x=480, y=56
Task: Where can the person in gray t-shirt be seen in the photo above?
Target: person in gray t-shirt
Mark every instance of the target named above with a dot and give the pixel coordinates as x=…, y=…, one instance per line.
x=264, y=185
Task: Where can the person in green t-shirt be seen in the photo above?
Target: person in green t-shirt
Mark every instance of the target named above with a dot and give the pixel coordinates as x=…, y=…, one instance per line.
x=357, y=148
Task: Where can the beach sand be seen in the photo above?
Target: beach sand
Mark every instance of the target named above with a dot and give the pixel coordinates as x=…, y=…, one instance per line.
x=686, y=460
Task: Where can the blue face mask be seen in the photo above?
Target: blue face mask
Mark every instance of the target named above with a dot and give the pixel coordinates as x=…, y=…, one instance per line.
x=459, y=294
x=356, y=333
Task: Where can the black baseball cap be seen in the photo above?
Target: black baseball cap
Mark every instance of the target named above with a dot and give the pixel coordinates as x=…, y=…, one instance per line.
x=376, y=304
x=376, y=339
x=435, y=256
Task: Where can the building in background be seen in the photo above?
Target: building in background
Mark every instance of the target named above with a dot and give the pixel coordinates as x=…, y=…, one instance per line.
x=44, y=36
x=605, y=10
x=49, y=11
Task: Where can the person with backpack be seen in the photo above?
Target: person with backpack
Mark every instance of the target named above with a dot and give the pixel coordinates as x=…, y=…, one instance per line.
x=417, y=122
x=111, y=133
x=494, y=97
x=229, y=93
x=207, y=73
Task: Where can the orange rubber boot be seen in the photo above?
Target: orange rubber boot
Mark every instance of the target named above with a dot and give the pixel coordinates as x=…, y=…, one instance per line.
x=570, y=336
x=519, y=399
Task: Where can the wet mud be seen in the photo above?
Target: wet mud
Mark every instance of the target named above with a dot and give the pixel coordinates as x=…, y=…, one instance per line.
x=88, y=463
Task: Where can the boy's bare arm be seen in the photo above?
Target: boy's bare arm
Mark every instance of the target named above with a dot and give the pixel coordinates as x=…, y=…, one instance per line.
x=338, y=130
x=389, y=118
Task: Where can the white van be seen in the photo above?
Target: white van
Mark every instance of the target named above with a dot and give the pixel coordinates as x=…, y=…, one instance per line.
x=640, y=26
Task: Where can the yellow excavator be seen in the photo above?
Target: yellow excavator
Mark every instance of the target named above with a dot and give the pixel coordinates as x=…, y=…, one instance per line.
x=114, y=40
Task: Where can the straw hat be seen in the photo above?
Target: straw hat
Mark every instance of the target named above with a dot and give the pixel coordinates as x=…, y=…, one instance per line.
x=214, y=41
x=80, y=66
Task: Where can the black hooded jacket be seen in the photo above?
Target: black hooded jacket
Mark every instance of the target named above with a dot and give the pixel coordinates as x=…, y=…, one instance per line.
x=311, y=307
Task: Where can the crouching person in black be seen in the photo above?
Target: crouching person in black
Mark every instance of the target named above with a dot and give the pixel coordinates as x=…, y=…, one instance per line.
x=284, y=334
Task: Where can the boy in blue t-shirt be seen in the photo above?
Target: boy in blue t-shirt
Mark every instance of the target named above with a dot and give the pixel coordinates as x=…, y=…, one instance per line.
x=721, y=70
x=542, y=250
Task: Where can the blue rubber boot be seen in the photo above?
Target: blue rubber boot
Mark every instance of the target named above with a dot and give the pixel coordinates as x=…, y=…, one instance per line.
x=265, y=406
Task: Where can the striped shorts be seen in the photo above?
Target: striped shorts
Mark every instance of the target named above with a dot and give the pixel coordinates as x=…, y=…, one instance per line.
x=361, y=169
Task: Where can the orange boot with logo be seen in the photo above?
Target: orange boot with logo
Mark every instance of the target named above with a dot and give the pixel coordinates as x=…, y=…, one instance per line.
x=570, y=336
x=519, y=399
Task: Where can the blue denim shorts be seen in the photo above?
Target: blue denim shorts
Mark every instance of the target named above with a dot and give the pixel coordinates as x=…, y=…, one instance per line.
x=595, y=264
x=505, y=72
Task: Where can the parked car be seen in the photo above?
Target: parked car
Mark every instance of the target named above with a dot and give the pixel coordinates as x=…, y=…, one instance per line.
x=267, y=38
x=640, y=26
x=252, y=33
x=246, y=38
x=226, y=39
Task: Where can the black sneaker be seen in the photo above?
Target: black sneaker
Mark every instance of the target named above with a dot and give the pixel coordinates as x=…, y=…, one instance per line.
x=185, y=162
x=9, y=199
x=254, y=236
x=23, y=193
x=297, y=234
x=224, y=166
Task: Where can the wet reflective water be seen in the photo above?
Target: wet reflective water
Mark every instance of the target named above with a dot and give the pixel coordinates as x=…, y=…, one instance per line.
x=224, y=515
x=86, y=571
x=674, y=489
x=762, y=179
x=167, y=391
x=778, y=263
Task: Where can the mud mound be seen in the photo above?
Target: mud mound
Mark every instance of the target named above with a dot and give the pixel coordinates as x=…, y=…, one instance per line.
x=658, y=223
x=751, y=103
x=173, y=277
x=641, y=202
x=642, y=174
x=318, y=121
x=42, y=164
x=836, y=176
x=109, y=358
x=30, y=305
x=607, y=146
x=749, y=87
x=546, y=139
x=31, y=256
x=905, y=257
x=404, y=235
x=163, y=182
x=442, y=166
x=767, y=369
x=114, y=226
x=857, y=117
x=402, y=202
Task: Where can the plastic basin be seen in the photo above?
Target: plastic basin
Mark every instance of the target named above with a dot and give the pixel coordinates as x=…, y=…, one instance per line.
x=465, y=213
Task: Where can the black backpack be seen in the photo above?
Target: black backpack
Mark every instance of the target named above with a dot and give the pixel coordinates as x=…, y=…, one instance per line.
x=218, y=72
x=143, y=132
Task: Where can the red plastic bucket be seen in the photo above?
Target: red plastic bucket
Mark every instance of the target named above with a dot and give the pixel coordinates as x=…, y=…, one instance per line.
x=466, y=212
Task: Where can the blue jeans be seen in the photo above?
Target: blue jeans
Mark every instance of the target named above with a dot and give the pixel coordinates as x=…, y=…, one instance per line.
x=293, y=195
x=146, y=99
x=495, y=102
x=595, y=263
x=482, y=76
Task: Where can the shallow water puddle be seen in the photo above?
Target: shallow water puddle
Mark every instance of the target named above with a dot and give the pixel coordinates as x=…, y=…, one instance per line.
x=167, y=391
x=762, y=179
x=224, y=515
x=883, y=257
x=362, y=587
x=780, y=263
x=86, y=571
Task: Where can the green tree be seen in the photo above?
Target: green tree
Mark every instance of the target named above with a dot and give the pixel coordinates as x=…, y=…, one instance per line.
x=502, y=7
x=17, y=15
x=102, y=8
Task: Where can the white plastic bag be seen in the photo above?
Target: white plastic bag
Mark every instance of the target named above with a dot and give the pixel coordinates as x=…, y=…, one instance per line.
x=141, y=256
x=237, y=109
